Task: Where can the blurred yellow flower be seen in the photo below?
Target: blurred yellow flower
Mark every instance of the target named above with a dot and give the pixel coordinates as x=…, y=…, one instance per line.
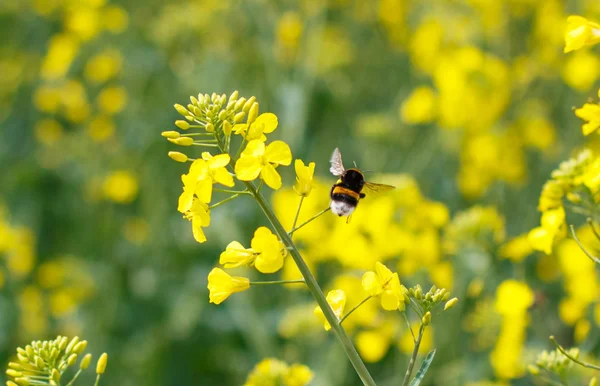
x=374, y=344
x=513, y=297
x=265, y=123
x=83, y=21
x=387, y=284
x=112, y=100
x=48, y=131
x=580, y=32
x=304, y=177
x=101, y=128
x=103, y=66
x=581, y=70
x=420, y=106
x=272, y=372
x=337, y=301
x=270, y=252
x=61, y=51
x=590, y=112
x=516, y=249
x=114, y=18
x=221, y=285
x=199, y=215
x=552, y=226
x=257, y=160
x=120, y=186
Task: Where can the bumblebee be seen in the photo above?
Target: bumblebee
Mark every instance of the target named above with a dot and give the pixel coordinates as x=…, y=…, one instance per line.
x=347, y=191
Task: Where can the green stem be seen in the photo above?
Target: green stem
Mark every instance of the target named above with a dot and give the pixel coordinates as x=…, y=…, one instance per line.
x=74, y=378
x=308, y=221
x=197, y=134
x=562, y=350
x=409, y=327
x=355, y=308
x=314, y=288
x=592, y=257
x=97, y=380
x=591, y=224
x=297, y=214
x=413, y=357
x=231, y=191
x=205, y=144
x=278, y=282
x=224, y=201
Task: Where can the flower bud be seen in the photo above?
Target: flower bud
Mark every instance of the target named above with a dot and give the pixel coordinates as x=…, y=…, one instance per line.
x=227, y=127
x=11, y=383
x=196, y=110
x=248, y=104
x=181, y=110
x=177, y=156
x=39, y=363
x=239, y=104
x=222, y=115
x=72, y=344
x=15, y=366
x=101, y=365
x=85, y=362
x=418, y=293
x=182, y=141
x=450, y=303
x=170, y=134
x=55, y=375
x=427, y=319
x=194, y=100
x=29, y=351
x=533, y=369
x=214, y=97
x=72, y=359
x=253, y=113
x=22, y=381
x=13, y=373
x=209, y=127
x=183, y=125
x=239, y=117
x=593, y=382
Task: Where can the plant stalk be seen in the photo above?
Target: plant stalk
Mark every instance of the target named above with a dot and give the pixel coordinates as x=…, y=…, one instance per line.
x=413, y=357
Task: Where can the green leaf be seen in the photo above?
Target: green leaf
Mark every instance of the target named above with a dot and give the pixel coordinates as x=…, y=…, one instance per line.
x=423, y=369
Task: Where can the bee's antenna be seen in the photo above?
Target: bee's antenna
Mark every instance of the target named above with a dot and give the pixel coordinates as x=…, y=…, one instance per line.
x=355, y=165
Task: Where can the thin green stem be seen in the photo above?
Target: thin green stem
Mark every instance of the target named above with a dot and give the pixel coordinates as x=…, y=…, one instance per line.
x=550, y=381
x=562, y=350
x=237, y=155
x=279, y=282
x=224, y=201
x=205, y=144
x=355, y=308
x=315, y=289
x=97, y=380
x=197, y=134
x=231, y=191
x=297, y=213
x=413, y=357
x=409, y=327
x=74, y=378
x=308, y=221
x=591, y=224
x=588, y=254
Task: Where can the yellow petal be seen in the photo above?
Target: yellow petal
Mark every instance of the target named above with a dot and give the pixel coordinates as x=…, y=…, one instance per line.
x=541, y=240
x=371, y=284
x=248, y=168
x=271, y=177
x=185, y=201
x=268, y=263
x=204, y=190
x=197, y=230
x=278, y=152
x=269, y=120
x=383, y=272
x=223, y=177
x=219, y=161
x=254, y=148
x=389, y=301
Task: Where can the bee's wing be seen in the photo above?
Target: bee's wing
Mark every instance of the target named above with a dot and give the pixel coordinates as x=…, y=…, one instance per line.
x=337, y=166
x=372, y=188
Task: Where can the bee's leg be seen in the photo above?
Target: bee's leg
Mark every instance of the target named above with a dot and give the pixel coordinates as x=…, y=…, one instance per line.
x=348, y=219
x=362, y=195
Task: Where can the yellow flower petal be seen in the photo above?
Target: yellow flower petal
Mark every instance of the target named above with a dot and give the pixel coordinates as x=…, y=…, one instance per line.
x=541, y=240
x=269, y=122
x=219, y=161
x=248, y=168
x=223, y=177
x=370, y=283
x=278, y=152
x=271, y=177
x=221, y=285
x=236, y=255
x=204, y=190
x=254, y=148
x=389, y=301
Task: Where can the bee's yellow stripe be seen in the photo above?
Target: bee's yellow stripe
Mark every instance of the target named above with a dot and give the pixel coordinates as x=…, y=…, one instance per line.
x=342, y=190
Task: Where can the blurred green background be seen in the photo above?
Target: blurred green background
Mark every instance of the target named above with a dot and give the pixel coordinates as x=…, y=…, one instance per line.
x=467, y=101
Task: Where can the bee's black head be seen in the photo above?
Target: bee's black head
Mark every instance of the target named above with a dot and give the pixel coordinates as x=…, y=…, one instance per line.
x=354, y=179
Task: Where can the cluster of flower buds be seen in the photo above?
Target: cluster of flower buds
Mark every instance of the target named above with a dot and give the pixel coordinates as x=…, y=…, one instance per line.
x=49, y=360
x=553, y=361
x=425, y=303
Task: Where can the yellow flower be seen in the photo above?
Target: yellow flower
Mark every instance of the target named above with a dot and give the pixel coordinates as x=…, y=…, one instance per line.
x=221, y=285
x=202, y=175
x=270, y=252
x=513, y=297
x=420, y=106
x=304, y=177
x=298, y=375
x=236, y=255
x=542, y=238
x=258, y=159
x=516, y=249
x=265, y=123
x=337, y=301
x=271, y=372
x=387, y=284
x=121, y=186
x=580, y=32
x=199, y=215
x=590, y=112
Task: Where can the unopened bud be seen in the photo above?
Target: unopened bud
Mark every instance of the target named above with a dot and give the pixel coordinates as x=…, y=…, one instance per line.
x=227, y=127
x=182, y=141
x=13, y=373
x=11, y=383
x=533, y=369
x=248, y=104
x=101, y=365
x=80, y=347
x=29, y=351
x=209, y=127
x=170, y=134
x=181, y=110
x=39, y=363
x=419, y=293
x=73, y=341
x=194, y=100
x=72, y=359
x=239, y=117
x=239, y=104
x=450, y=303
x=55, y=375
x=427, y=319
x=183, y=125
x=85, y=362
x=253, y=113
x=177, y=156
x=593, y=382
x=222, y=115
x=15, y=366
x=22, y=381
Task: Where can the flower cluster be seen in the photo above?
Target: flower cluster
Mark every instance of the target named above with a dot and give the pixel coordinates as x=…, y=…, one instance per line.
x=49, y=361
x=271, y=371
